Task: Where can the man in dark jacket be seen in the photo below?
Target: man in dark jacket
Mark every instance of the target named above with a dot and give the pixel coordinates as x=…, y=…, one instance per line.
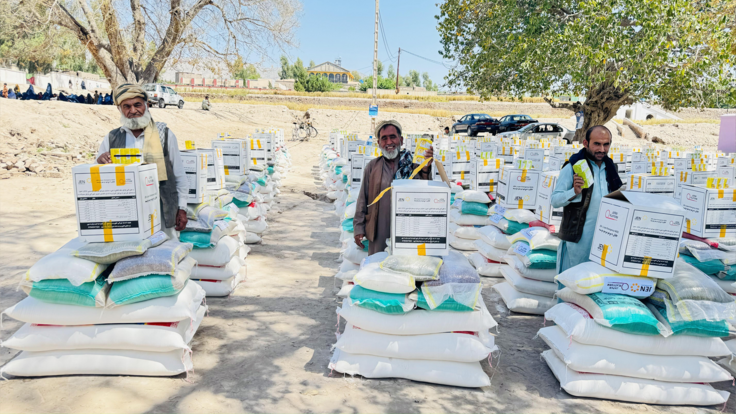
x=580, y=205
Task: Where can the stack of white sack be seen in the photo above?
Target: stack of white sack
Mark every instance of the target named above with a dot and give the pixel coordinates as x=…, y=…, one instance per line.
x=343, y=192
x=469, y=209
x=219, y=236
x=631, y=346
x=117, y=308
x=415, y=317
x=333, y=177
x=716, y=258
x=531, y=267
x=510, y=221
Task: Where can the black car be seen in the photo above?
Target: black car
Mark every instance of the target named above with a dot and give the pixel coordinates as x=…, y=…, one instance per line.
x=515, y=122
x=464, y=124
x=484, y=125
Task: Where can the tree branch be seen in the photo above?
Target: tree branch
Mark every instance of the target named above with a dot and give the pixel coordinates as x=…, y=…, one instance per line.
x=139, y=34
x=118, y=48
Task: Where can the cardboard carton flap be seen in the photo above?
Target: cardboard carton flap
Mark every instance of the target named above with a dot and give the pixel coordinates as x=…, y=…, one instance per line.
x=647, y=199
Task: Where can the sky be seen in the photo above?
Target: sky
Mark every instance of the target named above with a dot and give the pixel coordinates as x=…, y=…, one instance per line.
x=332, y=28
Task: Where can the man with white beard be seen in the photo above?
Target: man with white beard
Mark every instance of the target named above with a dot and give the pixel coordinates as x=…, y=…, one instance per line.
x=158, y=146
x=374, y=221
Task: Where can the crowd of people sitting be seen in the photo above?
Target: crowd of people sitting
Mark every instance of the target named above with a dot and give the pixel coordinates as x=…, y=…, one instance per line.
x=30, y=94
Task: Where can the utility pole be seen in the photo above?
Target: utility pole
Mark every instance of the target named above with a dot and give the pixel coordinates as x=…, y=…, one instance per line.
x=398, y=64
x=375, y=72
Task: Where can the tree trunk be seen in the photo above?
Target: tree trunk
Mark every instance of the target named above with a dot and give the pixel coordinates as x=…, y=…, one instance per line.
x=600, y=106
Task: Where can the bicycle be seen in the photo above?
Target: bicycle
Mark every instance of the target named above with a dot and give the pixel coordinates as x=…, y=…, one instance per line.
x=307, y=130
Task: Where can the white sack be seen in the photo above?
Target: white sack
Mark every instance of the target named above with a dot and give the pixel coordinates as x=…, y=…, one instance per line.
x=530, y=286
x=523, y=302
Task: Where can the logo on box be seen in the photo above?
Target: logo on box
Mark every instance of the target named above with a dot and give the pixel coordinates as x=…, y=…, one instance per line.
x=612, y=215
x=691, y=197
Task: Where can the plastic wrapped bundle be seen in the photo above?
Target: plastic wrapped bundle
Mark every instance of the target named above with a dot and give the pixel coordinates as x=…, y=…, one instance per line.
x=697, y=295
x=421, y=267
x=458, y=280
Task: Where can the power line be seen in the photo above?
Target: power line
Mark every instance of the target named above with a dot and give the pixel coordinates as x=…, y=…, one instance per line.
x=385, y=39
x=429, y=60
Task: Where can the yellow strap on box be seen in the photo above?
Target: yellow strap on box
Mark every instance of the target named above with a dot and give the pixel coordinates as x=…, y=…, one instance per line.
x=604, y=254
x=639, y=182
x=227, y=170
x=462, y=175
x=521, y=203
x=645, y=266
x=498, y=163
x=189, y=145
x=523, y=176
x=720, y=195
x=107, y=231
x=422, y=249
x=419, y=168
x=490, y=188
x=541, y=213
x=95, y=177
x=380, y=195
x=251, y=144
x=485, y=162
x=687, y=225
x=254, y=162
x=723, y=230
x=259, y=143
x=120, y=175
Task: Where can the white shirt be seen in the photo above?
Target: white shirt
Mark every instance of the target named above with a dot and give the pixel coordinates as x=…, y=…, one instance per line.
x=182, y=183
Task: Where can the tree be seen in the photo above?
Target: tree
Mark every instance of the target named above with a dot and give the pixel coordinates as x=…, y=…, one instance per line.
x=379, y=67
x=428, y=84
x=239, y=70
x=133, y=41
x=382, y=83
x=669, y=52
x=391, y=73
x=356, y=76
x=407, y=80
x=311, y=63
x=318, y=83
x=300, y=72
x=415, y=79
x=286, y=71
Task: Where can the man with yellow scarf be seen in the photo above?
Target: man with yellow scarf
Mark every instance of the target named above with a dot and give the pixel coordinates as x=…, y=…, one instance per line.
x=158, y=146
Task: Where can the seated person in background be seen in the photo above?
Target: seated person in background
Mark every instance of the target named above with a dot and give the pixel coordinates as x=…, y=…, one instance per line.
x=206, y=105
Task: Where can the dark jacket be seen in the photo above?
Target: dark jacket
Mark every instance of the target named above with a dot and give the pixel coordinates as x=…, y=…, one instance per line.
x=574, y=214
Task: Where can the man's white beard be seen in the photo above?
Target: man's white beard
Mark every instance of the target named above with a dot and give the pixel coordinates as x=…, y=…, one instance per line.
x=136, y=123
x=389, y=155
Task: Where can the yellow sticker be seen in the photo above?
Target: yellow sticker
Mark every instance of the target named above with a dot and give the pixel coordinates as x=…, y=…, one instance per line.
x=723, y=230
x=720, y=195
x=687, y=225
x=604, y=254
x=491, y=188
x=227, y=170
x=107, y=231
x=485, y=162
x=120, y=176
x=189, y=145
x=422, y=249
x=645, y=266
x=462, y=176
x=96, y=180
x=498, y=163
x=541, y=213
x=521, y=203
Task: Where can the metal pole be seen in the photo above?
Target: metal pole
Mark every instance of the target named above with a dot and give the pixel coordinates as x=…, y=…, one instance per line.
x=375, y=71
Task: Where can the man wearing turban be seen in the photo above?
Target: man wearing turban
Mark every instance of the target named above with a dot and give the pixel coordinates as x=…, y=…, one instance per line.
x=158, y=146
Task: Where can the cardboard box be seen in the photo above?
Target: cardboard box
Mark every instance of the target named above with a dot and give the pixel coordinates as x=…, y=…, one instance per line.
x=555, y=164
x=727, y=172
x=536, y=156
x=543, y=208
x=690, y=164
x=517, y=188
x=487, y=172
x=726, y=161
x=235, y=155
x=258, y=153
x=420, y=218
x=356, y=170
x=463, y=168
x=195, y=167
x=709, y=212
x=654, y=184
x=215, y=169
x=266, y=142
x=116, y=202
x=638, y=234
x=640, y=167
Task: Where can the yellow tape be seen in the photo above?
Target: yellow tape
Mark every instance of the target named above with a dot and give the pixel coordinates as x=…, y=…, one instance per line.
x=251, y=144
x=107, y=231
x=645, y=266
x=96, y=180
x=485, y=162
x=723, y=230
x=189, y=145
x=541, y=213
x=639, y=181
x=604, y=254
x=380, y=195
x=120, y=175
x=419, y=168
x=521, y=203
x=687, y=225
x=720, y=195
x=491, y=187
x=498, y=163
x=255, y=162
x=462, y=176
x=523, y=176
x=422, y=249
x=259, y=144
x=734, y=196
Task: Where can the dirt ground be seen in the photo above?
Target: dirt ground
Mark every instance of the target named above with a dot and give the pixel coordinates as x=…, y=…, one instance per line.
x=266, y=348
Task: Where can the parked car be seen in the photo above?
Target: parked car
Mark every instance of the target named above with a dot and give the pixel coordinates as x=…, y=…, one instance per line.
x=162, y=95
x=466, y=121
x=489, y=125
x=538, y=131
x=515, y=122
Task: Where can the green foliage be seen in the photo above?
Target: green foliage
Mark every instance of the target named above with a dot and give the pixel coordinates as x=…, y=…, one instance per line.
x=428, y=84
x=391, y=73
x=379, y=67
x=356, y=76
x=351, y=89
x=671, y=52
x=286, y=71
x=382, y=83
x=239, y=70
x=317, y=83
x=311, y=63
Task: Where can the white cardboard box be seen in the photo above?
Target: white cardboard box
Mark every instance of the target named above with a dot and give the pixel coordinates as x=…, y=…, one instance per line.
x=123, y=196
x=709, y=212
x=555, y=163
x=464, y=168
x=691, y=177
x=356, y=170
x=728, y=172
x=634, y=228
x=235, y=155
x=655, y=184
x=726, y=161
x=420, y=218
x=517, y=188
x=195, y=167
x=215, y=168
x=487, y=174
x=543, y=209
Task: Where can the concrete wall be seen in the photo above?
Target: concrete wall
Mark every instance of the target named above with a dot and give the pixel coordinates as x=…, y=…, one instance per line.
x=640, y=111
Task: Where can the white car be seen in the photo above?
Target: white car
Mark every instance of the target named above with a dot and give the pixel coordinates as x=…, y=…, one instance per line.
x=541, y=130
x=163, y=96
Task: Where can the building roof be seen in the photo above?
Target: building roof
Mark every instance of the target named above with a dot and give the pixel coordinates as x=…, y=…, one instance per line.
x=328, y=67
